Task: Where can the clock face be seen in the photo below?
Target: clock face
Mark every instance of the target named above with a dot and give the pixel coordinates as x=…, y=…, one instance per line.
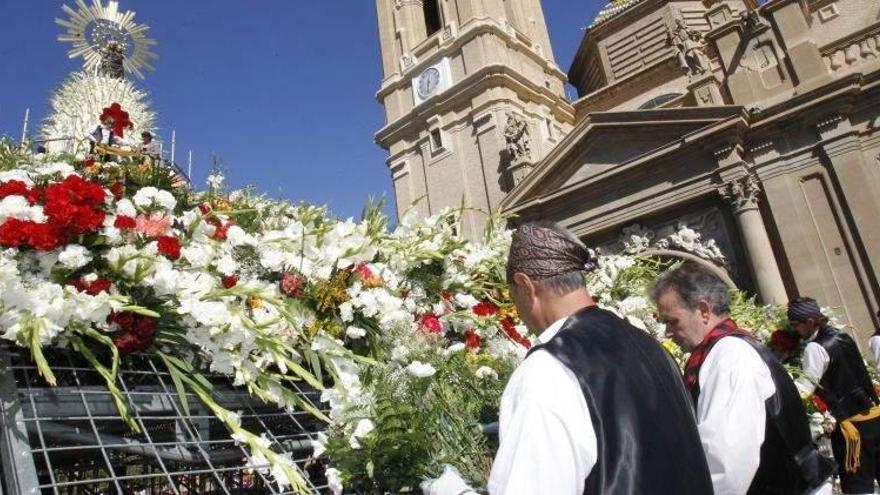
x=428, y=82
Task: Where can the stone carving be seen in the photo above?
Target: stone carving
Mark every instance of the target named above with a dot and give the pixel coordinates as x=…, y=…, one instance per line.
x=691, y=49
x=750, y=20
x=705, y=234
x=516, y=135
x=742, y=193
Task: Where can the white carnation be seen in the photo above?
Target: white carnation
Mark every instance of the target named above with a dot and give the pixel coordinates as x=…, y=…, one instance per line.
x=74, y=256
x=355, y=332
x=420, y=369
x=486, y=372
x=149, y=196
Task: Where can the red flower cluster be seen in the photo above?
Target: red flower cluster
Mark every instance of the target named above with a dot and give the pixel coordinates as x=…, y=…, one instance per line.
x=485, y=308
x=121, y=120
x=510, y=330
x=72, y=206
x=136, y=331
x=169, y=246
x=93, y=288
x=292, y=284
x=783, y=342
x=431, y=323
x=819, y=403
x=472, y=340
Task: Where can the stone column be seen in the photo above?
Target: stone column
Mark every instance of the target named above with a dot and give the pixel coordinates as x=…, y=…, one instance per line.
x=410, y=23
x=743, y=197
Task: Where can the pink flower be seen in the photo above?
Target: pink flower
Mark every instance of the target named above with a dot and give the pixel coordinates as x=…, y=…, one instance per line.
x=153, y=226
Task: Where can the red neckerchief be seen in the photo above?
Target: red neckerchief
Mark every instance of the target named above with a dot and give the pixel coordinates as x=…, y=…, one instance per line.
x=698, y=355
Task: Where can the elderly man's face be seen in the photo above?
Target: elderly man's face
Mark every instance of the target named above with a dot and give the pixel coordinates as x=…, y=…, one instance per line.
x=525, y=301
x=685, y=327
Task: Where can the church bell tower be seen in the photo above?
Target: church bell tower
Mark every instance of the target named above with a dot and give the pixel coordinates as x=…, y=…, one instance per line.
x=473, y=100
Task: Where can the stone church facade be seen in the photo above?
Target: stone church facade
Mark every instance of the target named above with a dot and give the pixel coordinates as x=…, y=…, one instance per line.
x=758, y=126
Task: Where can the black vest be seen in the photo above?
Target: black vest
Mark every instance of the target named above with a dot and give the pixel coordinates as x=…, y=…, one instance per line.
x=646, y=433
x=846, y=386
x=790, y=463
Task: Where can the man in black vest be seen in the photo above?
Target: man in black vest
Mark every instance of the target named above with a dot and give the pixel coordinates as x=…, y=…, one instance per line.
x=597, y=406
x=835, y=370
x=752, y=423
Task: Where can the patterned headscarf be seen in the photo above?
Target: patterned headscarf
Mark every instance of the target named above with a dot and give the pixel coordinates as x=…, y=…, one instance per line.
x=542, y=252
x=803, y=309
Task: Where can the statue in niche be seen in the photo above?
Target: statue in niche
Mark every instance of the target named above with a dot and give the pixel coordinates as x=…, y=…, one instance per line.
x=112, y=61
x=691, y=49
x=516, y=135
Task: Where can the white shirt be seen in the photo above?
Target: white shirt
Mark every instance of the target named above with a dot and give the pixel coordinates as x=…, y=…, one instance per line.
x=547, y=442
x=734, y=383
x=815, y=364
x=874, y=345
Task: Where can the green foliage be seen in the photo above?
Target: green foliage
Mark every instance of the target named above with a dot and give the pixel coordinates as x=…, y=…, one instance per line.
x=422, y=424
x=13, y=155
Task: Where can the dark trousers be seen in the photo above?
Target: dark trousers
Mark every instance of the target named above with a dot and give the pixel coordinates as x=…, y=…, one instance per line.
x=861, y=481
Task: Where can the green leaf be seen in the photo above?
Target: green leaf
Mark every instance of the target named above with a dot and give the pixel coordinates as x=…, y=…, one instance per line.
x=178, y=383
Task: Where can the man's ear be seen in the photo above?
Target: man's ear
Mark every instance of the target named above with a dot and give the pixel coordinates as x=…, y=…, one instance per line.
x=525, y=283
x=705, y=310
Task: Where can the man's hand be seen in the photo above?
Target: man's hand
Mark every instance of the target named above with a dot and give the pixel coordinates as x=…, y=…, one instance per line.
x=449, y=483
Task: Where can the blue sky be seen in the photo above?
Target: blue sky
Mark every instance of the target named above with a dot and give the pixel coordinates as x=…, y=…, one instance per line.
x=281, y=90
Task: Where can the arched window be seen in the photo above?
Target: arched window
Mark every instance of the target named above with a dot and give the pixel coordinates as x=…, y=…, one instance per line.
x=433, y=19
x=659, y=101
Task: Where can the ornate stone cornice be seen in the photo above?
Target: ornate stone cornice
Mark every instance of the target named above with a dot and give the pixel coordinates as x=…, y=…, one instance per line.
x=742, y=193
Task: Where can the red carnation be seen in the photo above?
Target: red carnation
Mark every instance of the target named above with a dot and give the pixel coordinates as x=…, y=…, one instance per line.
x=205, y=208
x=819, y=403
x=430, y=323
x=783, y=342
x=170, y=247
x=75, y=205
x=19, y=188
x=97, y=286
x=124, y=222
x=221, y=229
x=472, y=340
x=43, y=236
x=229, y=281
x=485, y=308
x=135, y=333
x=12, y=232
x=118, y=190
x=292, y=284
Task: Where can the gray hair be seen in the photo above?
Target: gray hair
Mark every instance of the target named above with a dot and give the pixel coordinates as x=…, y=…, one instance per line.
x=561, y=285
x=694, y=283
